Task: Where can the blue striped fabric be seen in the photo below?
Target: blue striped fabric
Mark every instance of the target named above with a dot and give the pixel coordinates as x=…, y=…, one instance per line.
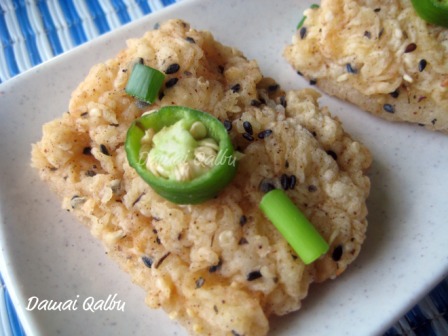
x=34, y=31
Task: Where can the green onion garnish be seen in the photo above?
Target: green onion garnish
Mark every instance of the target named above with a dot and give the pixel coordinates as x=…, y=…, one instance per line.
x=300, y=24
x=293, y=225
x=144, y=83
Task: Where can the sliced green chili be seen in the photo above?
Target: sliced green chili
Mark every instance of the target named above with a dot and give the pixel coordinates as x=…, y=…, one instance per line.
x=293, y=225
x=144, y=83
x=185, y=155
x=432, y=11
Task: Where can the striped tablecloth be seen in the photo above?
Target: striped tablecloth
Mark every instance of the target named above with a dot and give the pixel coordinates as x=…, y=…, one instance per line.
x=35, y=31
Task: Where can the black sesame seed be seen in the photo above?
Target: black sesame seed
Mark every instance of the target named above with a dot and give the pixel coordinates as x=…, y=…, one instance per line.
x=87, y=151
x=381, y=33
x=299, y=73
x=376, y=10
x=228, y=125
x=243, y=241
x=84, y=114
x=284, y=181
x=350, y=69
x=286, y=164
x=433, y=121
x=254, y=275
x=190, y=39
x=302, y=32
x=161, y=95
x=236, y=88
x=388, y=108
x=283, y=101
x=255, y=102
x=273, y=87
x=138, y=199
x=248, y=127
x=141, y=104
x=161, y=260
x=140, y=60
x=104, y=150
x=243, y=220
x=312, y=188
x=264, y=134
x=90, y=173
x=216, y=267
x=147, y=261
x=171, y=82
x=200, y=282
x=172, y=68
x=292, y=181
x=410, y=47
x=395, y=94
x=368, y=34
x=236, y=333
x=266, y=186
x=422, y=65
x=313, y=81
x=248, y=137
x=332, y=154
x=337, y=253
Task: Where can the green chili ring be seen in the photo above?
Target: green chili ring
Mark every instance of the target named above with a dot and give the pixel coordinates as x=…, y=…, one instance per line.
x=199, y=189
x=432, y=11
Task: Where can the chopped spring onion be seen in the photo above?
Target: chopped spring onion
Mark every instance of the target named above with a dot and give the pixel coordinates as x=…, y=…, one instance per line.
x=293, y=225
x=300, y=24
x=144, y=83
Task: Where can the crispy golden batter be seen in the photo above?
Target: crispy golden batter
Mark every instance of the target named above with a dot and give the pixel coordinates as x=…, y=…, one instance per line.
x=378, y=55
x=220, y=268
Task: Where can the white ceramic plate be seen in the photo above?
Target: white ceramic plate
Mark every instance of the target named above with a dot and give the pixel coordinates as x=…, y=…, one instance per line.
x=47, y=254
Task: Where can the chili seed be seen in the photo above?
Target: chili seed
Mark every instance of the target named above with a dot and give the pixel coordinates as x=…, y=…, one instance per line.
x=337, y=253
x=264, y=134
x=138, y=199
x=422, y=65
x=77, y=200
x=171, y=82
x=172, y=68
x=332, y=154
x=254, y=275
x=227, y=125
x=302, y=32
x=147, y=261
x=410, y=47
x=104, y=150
x=350, y=69
x=236, y=88
x=190, y=39
x=248, y=127
x=388, y=108
x=200, y=282
x=395, y=94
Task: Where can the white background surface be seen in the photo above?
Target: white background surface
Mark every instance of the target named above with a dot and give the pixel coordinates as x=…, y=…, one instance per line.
x=46, y=253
